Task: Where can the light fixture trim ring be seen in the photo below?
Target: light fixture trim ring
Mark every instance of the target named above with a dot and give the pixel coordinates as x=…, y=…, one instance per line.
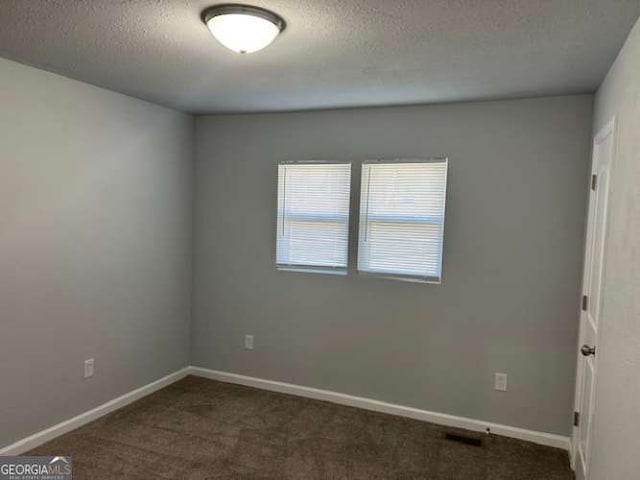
x=231, y=8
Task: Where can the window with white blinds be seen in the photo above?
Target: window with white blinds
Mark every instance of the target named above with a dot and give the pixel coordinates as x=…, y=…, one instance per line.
x=313, y=216
x=402, y=211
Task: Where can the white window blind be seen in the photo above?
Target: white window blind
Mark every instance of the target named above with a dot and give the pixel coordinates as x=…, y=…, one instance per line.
x=402, y=210
x=313, y=216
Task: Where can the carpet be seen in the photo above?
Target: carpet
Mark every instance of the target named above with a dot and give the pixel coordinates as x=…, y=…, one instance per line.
x=201, y=429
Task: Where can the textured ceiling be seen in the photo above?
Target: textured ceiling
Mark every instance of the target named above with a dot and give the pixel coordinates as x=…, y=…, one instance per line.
x=334, y=53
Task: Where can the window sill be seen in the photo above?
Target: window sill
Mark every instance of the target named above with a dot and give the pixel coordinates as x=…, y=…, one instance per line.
x=324, y=271
x=402, y=278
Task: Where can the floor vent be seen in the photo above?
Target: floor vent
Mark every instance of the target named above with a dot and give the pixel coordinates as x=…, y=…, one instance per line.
x=454, y=437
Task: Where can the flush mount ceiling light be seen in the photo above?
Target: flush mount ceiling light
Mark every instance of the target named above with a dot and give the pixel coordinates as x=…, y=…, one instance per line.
x=243, y=28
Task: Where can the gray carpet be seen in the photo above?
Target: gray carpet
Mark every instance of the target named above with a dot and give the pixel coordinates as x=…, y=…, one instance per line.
x=202, y=429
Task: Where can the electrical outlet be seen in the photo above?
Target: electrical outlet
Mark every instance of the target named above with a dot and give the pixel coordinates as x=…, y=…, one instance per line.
x=248, y=342
x=89, y=367
x=501, y=382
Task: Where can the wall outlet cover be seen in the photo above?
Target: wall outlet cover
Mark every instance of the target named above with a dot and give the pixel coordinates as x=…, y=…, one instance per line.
x=501, y=382
x=89, y=365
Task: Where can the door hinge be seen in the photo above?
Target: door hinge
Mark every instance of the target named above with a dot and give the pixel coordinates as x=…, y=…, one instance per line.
x=585, y=303
x=594, y=181
x=576, y=419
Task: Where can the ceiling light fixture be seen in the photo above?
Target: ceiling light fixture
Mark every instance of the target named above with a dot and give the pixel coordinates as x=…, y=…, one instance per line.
x=243, y=28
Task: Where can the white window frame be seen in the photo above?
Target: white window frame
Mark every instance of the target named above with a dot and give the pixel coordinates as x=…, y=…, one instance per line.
x=330, y=270
x=363, y=223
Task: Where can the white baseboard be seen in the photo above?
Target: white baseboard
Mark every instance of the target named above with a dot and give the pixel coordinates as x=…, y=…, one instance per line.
x=44, y=436
x=548, y=439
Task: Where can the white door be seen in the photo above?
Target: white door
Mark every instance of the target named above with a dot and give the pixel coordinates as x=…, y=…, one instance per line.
x=591, y=318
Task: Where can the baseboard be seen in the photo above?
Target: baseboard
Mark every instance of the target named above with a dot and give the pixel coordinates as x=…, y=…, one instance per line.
x=541, y=438
x=44, y=436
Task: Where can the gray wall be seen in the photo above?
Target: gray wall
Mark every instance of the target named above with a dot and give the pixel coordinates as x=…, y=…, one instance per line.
x=509, y=302
x=95, y=246
x=615, y=443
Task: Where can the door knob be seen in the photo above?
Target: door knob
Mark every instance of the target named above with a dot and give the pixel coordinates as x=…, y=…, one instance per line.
x=586, y=350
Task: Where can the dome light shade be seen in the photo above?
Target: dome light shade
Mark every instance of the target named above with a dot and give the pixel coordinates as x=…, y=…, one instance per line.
x=242, y=28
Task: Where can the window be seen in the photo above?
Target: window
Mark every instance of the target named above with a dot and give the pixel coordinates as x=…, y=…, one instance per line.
x=313, y=216
x=402, y=219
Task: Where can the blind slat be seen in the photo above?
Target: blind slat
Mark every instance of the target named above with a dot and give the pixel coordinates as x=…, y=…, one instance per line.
x=402, y=210
x=313, y=215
